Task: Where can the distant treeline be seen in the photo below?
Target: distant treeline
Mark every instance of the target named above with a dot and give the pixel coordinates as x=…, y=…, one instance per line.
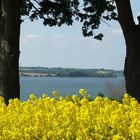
x=69, y=72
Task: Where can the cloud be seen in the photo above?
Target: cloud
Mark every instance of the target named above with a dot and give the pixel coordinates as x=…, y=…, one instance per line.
x=58, y=36
x=33, y=40
x=34, y=37
x=59, y=40
x=71, y=49
x=31, y=37
x=117, y=32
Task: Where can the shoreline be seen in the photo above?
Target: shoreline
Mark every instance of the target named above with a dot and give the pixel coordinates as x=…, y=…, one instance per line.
x=53, y=75
x=66, y=72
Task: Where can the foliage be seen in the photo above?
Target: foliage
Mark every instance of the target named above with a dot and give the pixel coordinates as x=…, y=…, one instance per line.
x=59, y=12
x=95, y=12
x=70, y=118
x=53, y=12
x=71, y=72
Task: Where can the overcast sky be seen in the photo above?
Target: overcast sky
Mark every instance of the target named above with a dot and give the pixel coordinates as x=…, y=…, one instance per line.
x=66, y=46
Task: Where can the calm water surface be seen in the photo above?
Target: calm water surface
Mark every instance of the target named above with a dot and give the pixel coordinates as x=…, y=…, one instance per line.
x=65, y=86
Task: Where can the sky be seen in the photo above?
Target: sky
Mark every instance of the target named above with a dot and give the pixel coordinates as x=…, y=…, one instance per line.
x=66, y=47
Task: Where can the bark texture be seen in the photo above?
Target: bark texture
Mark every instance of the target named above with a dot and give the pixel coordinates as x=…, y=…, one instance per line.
x=131, y=33
x=9, y=48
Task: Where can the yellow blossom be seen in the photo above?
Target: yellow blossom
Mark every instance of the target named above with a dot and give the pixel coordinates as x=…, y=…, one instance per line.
x=82, y=91
x=70, y=118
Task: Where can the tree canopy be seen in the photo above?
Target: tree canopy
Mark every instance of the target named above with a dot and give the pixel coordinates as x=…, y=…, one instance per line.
x=58, y=12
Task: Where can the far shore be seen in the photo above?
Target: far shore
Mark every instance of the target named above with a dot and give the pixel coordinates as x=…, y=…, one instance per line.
x=27, y=74
x=68, y=72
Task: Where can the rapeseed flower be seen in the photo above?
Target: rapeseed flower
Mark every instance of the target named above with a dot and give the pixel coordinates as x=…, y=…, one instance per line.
x=70, y=118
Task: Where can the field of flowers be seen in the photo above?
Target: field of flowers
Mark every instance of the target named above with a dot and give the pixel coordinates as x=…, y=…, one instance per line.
x=71, y=118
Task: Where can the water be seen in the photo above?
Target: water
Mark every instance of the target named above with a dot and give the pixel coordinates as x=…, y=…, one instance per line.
x=65, y=86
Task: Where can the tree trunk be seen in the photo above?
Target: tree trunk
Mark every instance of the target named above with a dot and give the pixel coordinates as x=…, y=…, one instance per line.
x=132, y=39
x=9, y=48
x=132, y=65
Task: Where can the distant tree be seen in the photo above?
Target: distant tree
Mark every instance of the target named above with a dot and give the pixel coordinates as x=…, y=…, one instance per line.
x=78, y=74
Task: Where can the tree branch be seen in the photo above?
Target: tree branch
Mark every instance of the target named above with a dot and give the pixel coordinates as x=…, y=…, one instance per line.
x=42, y=16
x=125, y=16
x=36, y=1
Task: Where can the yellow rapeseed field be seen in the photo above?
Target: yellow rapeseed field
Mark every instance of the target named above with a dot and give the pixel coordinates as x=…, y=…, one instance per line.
x=70, y=118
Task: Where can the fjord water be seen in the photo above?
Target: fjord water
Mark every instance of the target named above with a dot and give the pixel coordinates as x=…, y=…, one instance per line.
x=65, y=86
